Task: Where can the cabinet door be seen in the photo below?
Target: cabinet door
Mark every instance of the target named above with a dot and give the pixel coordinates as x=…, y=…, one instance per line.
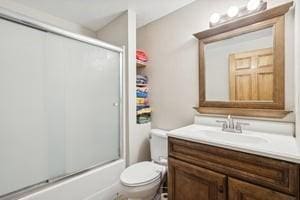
x=239, y=190
x=189, y=182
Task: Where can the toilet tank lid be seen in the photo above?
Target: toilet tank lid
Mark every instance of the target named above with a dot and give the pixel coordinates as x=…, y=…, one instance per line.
x=159, y=132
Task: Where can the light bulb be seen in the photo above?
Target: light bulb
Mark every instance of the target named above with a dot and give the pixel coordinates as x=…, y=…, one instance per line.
x=253, y=5
x=233, y=11
x=214, y=18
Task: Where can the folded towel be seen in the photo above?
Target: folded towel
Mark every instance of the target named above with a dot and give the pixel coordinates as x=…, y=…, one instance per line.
x=141, y=55
x=143, y=111
x=141, y=94
x=141, y=79
x=142, y=89
x=144, y=118
x=142, y=101
x=140, y=107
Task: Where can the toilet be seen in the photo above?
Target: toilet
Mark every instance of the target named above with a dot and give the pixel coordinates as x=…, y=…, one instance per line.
x=142, y=180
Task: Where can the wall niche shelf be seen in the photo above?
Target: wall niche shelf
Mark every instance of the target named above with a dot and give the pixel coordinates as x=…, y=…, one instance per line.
x=140, y=64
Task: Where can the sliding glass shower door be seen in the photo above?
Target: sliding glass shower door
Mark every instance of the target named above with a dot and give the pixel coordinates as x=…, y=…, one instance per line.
x=59, y=106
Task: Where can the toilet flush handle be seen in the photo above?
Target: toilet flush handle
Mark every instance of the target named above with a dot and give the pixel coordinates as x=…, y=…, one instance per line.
x=163, y=160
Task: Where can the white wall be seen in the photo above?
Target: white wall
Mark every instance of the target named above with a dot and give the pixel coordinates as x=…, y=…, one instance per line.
x=44, y=17
x=122, y=31
x=290, y=65
x=173, y=66
x=297, y=66
x=116, y=32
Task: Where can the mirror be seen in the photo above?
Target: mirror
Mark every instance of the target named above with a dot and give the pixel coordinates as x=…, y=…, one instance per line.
x=240, y=68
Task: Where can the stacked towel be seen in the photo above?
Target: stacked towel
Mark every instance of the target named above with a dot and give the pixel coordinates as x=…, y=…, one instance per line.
x=143, y=114
x=143, y=118
x=141, y=56
x=141, y=80
x=142, y=101
x=143, y=109
x=142, y=92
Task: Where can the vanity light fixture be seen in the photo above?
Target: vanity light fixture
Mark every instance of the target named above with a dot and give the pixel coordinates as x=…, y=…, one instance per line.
x=235, y=12
x=215, y=18
x=232, y=11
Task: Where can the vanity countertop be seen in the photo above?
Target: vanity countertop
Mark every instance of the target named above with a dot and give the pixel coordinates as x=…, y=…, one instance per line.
x=275, y=146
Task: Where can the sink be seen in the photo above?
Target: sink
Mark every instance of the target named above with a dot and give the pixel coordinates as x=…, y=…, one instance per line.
x=234, y=137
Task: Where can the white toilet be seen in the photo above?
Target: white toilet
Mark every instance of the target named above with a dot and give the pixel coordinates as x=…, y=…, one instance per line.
x=142, y=180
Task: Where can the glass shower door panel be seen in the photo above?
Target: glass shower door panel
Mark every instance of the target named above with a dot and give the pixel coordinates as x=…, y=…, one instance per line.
x=91, y=106
x=54, y=70
x=59, y=106
x=23, y=116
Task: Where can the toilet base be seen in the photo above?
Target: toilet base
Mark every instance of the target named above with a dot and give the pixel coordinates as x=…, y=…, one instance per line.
x=147, y=192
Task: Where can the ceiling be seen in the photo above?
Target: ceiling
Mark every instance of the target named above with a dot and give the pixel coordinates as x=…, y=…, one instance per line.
x=94, y=14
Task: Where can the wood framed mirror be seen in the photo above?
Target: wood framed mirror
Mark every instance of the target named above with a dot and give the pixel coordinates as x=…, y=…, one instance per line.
x=241, y=66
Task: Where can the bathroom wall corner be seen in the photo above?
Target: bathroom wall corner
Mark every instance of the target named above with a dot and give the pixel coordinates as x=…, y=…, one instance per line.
x=122, y=32
x=297, y=68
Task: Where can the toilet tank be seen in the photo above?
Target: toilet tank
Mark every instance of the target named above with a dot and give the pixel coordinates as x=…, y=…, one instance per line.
x=159, y=146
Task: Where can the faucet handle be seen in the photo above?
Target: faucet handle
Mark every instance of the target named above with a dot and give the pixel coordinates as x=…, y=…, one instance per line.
x=238, y=126
x=224, y=123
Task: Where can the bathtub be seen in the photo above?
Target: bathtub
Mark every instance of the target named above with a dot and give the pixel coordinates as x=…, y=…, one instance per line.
x=98, y=184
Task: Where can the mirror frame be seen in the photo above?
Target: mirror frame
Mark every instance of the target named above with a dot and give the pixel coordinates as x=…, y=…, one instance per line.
x=273, y=18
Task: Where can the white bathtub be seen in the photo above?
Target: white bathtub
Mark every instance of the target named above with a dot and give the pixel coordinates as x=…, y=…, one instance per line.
x=98, y=184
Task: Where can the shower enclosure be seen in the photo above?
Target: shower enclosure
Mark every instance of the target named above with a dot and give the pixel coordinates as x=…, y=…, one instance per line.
x=60, y=103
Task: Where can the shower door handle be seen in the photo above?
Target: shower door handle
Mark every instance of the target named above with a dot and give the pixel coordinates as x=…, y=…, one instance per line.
x=115, y=104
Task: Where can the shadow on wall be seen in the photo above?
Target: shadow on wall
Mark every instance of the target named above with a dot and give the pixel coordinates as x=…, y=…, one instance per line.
x=144, y=153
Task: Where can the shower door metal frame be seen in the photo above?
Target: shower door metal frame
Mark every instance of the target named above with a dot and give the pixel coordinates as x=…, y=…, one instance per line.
x=32, y=23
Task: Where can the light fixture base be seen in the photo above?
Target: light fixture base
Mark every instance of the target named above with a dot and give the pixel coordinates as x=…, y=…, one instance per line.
x=243, y=12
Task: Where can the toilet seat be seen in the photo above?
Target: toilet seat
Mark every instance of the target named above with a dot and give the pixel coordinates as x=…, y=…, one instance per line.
x=140, y=174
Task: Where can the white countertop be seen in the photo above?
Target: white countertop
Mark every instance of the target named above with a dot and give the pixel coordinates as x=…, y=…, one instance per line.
x=280, y=147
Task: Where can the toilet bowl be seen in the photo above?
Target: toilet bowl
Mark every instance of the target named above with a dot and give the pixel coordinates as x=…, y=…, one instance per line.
x=141, y=181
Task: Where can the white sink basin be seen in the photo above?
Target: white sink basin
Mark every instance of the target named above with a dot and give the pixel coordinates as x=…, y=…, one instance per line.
x=278, y=146
x=234, y=137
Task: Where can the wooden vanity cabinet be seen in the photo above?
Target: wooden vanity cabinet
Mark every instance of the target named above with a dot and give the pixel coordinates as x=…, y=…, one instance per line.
x=240, y=190
x=192, y=182
x=203, y=172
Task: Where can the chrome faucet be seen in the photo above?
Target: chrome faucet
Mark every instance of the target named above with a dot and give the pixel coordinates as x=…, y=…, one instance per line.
x=230, y=122
x=229, y=126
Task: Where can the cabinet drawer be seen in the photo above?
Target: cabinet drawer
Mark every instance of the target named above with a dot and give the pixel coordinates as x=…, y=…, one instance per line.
x=239, y=190
x=278, y=175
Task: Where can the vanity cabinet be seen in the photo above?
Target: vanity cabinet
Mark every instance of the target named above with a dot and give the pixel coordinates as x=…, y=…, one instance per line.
x=240, y=190
x=192, y=182
x=203, y=172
